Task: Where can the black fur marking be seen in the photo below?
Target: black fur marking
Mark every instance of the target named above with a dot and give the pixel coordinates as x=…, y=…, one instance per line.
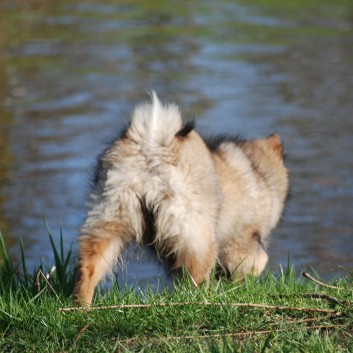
x=222, y=271
x=188, y=127
x=149, y=220
x=213, y=142
x=149, y=236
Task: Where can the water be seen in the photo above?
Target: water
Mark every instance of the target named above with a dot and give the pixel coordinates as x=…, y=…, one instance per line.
x=72, y=71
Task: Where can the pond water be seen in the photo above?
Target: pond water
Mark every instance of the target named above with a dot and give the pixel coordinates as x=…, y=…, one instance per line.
x=71, y=72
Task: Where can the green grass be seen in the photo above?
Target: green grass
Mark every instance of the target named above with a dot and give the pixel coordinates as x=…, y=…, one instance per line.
x=220, y=317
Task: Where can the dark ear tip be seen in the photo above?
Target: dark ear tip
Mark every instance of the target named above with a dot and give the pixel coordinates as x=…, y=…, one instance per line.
x=186, y=129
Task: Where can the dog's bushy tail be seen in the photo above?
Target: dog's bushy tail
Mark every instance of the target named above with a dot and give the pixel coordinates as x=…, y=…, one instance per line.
x=155, y=123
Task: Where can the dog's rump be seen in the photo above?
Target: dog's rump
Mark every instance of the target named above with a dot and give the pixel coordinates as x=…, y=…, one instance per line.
x=157, y=167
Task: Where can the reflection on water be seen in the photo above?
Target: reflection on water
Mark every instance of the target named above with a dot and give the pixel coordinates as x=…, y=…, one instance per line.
x=71, y=72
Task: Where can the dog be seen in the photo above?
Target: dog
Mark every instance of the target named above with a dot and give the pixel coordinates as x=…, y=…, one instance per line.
x=199, y=201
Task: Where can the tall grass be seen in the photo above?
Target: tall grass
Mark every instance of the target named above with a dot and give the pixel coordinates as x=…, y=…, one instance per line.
x=60, y=275
x=277, y=313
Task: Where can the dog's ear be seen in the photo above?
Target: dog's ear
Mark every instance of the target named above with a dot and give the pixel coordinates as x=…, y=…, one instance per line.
x=188, y=127
x=274, y=142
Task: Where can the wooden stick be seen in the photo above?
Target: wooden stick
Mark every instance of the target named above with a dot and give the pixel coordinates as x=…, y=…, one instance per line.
x=306, y=275
x=294, y=321
x=317, y=296
x=232, y=334
x=252, y=305
x=83, y=329
x=249, y=333
x=326, y=297
x=40, y=273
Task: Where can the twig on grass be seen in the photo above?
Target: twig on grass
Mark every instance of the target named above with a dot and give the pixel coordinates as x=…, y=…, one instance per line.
x=251, y=305
x=307, y=275
x=38, y=279
x=83, y=329
x=294, y=321
x=240, y=335
x=317, y=296
x=40, y=273
x=326, y=297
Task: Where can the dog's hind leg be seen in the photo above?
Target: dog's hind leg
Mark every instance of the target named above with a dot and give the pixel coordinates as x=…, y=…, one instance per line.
x=97, y=255
x=190, y=240
x=102, y=241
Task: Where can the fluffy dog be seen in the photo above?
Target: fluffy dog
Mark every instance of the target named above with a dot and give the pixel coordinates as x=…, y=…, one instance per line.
x=198, y=201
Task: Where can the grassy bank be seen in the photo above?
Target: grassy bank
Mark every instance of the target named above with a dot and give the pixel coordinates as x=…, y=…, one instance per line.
x=279, y=312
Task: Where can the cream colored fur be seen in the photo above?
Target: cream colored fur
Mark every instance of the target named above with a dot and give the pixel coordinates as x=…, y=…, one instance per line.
x=254, y=182
x=205, y=206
